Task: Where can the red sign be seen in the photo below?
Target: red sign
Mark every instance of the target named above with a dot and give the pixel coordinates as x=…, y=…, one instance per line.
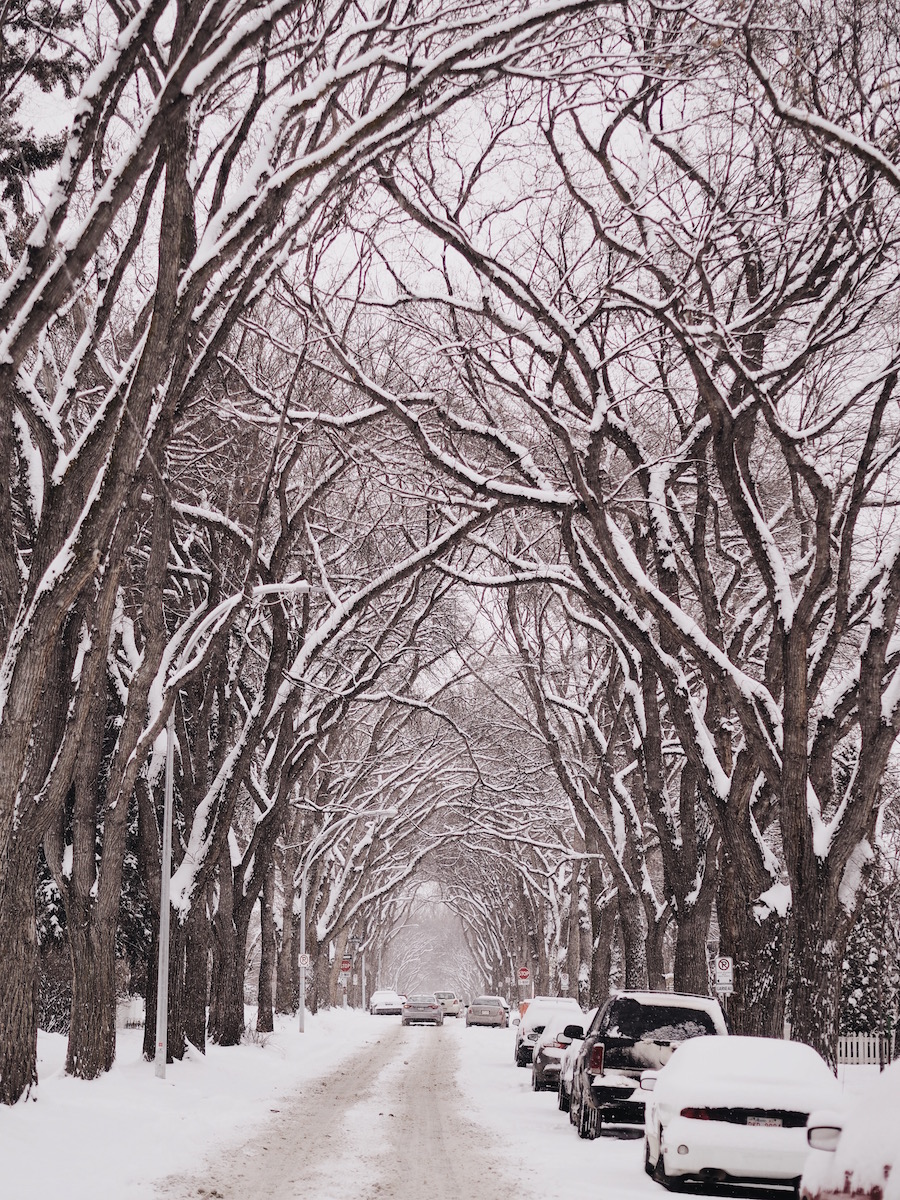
x=345, y=964
x=523, y=974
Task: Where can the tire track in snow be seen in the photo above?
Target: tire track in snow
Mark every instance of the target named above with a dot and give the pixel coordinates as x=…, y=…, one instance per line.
x=386, y=1124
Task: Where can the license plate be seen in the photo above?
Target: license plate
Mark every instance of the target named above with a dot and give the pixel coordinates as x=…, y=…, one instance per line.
x=768, y=1122
x=485, y=1012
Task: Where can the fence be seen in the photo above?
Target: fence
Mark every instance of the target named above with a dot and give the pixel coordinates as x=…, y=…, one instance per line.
x=865, y=1049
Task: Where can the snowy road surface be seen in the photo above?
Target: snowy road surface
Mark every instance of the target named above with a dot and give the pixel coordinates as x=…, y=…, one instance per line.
x=387, y=1124
x=442, y=1113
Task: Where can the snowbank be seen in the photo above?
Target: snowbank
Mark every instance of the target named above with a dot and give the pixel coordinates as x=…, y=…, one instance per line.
x=117, y=1136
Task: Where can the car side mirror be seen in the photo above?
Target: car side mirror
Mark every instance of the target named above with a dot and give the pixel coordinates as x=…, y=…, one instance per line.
x=516, y=1020
x=823, y=1137
x=573, y=1032
x=648, y=1081
x=564, y=1040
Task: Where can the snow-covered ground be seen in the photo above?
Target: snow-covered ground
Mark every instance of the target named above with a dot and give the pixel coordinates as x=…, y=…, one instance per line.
x=110, y=1139
x=124, y=1136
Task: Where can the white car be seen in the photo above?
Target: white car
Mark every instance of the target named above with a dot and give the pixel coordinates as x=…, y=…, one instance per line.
x=451, y=1004
x=857, y=1155
x=386, y=1003
x=535, y=1017
x=724, y=1110
x=567, y=1066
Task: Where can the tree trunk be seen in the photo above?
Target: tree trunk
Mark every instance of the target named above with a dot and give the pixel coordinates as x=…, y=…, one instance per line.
x=823, y=927
x=92, y=1025
x=287, y=982
x=149, y=1043
x=601, y=959
x=196, y=976
x=19, y=976
x=760, y=951
x=264, y=1017
x=634, y=954
x=691, y=969
x=176, y=1044
x=226, y=998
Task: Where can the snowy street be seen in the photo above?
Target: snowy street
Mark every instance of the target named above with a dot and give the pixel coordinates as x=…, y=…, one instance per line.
x=437, y=1112
x=357, y=1108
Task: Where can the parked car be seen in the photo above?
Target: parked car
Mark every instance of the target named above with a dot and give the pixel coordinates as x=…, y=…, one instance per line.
x=546, y=1058
x=487, y=1010
x=857, y=1153
x=424, y=1009
x=451, y=1004
x=535, y=1017
x=385, y=1003
x=567, y=1061
x=632, y=1032
x=734, y=1110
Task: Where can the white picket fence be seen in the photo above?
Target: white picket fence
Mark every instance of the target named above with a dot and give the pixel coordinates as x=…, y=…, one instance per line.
x=865, y=1049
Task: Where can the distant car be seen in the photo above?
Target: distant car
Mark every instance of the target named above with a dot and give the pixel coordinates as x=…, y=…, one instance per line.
x=632, y=1032
x=450, y=1003
x=567, y=1062
x=385, y=1003
x=535, y=1017
x=487, y=1010
x=546, y=1058
x=734, y=1110
x=857, y=1153
x=422, y=1010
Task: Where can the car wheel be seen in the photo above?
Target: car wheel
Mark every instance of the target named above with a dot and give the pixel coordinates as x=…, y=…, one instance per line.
x=648, y=1166
x=535, y=1085
x=562, y=1100
x=670, y=1182
x=588, y=1123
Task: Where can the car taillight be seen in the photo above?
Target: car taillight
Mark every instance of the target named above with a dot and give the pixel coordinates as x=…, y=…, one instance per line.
x=434, y=1006
x=698, y=1114
x=595, y=1062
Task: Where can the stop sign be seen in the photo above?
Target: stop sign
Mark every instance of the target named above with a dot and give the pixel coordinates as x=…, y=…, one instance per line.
x=523, y=974
x=345, y=964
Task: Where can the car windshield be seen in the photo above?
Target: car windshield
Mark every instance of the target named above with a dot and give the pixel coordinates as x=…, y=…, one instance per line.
x=445, y=995
x=494, y=1000
x=633, y=1021
x=421, y=1000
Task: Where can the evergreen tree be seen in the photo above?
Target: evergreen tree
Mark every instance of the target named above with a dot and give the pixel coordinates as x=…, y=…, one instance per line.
x=871, y=983
x=36, y=50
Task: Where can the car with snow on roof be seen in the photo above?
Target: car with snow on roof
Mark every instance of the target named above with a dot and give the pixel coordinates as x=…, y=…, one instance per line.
x=487, y=1010
x=856, y=1152
x=734, y=1111
x=531, y=1023
x=385, y=1003
x=451, y=1005
x=422, y=1009
x=632, y=1032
